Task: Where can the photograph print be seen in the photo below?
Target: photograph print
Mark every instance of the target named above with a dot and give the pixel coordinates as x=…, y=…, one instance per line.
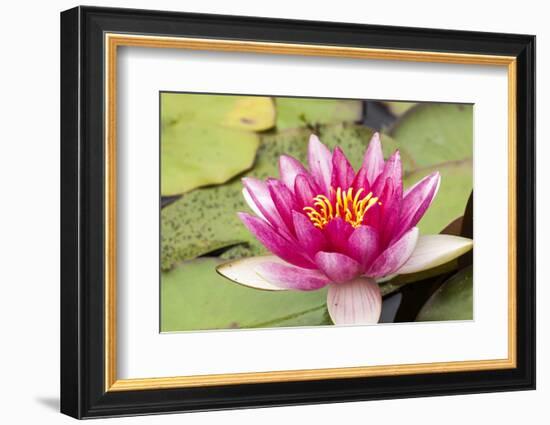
x=300, y=212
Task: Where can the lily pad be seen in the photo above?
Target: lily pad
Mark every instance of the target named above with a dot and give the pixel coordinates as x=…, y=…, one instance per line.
x=194, y=155
x=434, y=133
x=195, y=297
x=451, y=199
x=207, y=139
x=252, y=113
x=300, y=112
x=438, y=136
x=205, y=219
x=452, y=301
x=354, y=139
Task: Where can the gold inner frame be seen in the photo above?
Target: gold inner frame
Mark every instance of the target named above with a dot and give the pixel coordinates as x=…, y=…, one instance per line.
x=113, y=41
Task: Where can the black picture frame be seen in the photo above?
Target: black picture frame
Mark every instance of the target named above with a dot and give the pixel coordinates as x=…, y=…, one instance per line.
x=83, y=392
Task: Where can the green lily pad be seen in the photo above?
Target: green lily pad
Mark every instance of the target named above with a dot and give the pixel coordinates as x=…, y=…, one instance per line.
x=354, y=139
x=438, y=136
x=205, y=219
x=195, y=297
x=452, y=301
x=300, y=112
x=434, y=133
x=252, y=113
x=207, y=139
x=451, y=199
x=194, y=155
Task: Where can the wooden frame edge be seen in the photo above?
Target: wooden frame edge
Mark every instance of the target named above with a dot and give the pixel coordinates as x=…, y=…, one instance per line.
x=306, y=375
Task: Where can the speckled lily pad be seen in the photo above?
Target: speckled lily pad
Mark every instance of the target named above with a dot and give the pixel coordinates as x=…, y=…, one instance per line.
x=293, y=112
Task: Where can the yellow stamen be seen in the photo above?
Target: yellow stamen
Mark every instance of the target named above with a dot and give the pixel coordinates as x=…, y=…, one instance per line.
x=352, y=208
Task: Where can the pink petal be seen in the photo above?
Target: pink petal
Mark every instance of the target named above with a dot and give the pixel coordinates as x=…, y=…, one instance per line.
x=337, y=233
x=309, y=236
x=278, y=245
x=361, y=180
x=358, y=302
x=259, y=193
x=320, y=162
x=375, y=215
x=251, y=204
x=337, y=267
x=417, y=200
x=393, y=257
x=364, y=245
x=392, y=215
x=392, y=170
x=386, y=215
x=342, y=171
x=420, y=182
x=304, y=190
x=283, y=199
x=291, y=277
x=373, y=162
x=289, y=168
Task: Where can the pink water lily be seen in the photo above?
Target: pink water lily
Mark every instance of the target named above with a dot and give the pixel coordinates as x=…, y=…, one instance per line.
x=330, y=225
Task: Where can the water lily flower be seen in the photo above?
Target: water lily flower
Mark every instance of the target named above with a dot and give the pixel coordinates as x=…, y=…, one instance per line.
x=330, y=225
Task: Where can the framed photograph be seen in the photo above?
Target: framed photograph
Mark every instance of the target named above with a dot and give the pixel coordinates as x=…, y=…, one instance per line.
x=261, y=212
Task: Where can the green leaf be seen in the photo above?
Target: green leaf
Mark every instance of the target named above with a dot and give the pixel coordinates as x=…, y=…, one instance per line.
x=202, y=221
x=205, y=219
x=207, y=139
x=453, y=194
x=194, y=155
x=300, y=112
x=252, y=113
x=354, y=139
x=452, y=301
x=195, y=297
x=439, y=137
x=433, y=133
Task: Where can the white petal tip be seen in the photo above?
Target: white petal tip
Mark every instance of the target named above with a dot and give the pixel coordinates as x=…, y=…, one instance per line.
x=243, y=272
x=251, y=204
x=435, y=250
x=375, y=138
x=314, y=138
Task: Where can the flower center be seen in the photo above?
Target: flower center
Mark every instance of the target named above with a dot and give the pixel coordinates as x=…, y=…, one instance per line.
x=347, y=205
